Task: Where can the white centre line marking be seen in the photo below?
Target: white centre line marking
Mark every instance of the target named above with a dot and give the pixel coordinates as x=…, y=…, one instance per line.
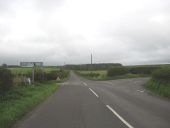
x=94, y=93
x=140, y=90
x=84, y=83
x=115, y=113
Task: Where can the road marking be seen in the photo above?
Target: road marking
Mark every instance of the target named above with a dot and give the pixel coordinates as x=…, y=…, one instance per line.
x=94, y=93
x=115, y=113
x=84, y=83
x=140, y=90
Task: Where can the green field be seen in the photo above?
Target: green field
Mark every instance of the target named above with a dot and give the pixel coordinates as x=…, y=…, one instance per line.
x=102, y=75
x=24, y=70
x=19, y=100
x=101, y=72
x=133, y=72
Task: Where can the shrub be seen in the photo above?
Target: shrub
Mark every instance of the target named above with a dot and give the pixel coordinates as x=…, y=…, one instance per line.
x=116, y=71
x=162, y=75
x=143, y=69
x=63, y=73
x=39, y=75
x=17, y=80
x=53, y=75
x=6, y=79
x=159, y=88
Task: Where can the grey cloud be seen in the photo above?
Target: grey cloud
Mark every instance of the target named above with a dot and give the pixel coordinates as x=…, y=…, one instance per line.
x=57, y=35
x=49, y=4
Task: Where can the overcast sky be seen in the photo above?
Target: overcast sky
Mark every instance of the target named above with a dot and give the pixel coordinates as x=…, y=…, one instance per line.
x=68, y=31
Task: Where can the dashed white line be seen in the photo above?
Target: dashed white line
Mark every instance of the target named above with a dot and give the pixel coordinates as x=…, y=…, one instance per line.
x=94, y=93
x=140, y=90
x=115, y=113
x=84, y=83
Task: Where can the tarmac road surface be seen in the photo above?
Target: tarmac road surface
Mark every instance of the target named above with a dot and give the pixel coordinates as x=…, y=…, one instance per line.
x=81, y=103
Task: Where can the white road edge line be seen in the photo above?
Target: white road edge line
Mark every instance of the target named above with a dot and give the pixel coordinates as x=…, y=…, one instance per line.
x=115, y=113
x=94, y=93
x=84, y=83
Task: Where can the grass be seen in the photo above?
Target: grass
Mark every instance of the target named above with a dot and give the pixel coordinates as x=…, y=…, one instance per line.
x=102, y=75
x=162, y=89
x=26, y=70
x=19, y=100
x=160, y=82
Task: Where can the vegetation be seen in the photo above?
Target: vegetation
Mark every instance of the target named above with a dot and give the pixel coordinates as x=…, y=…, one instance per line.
x=5, y=80
x=19, y=100
x=17, y=97
x=102, y=75
x=162, y=75
x=89, y=67
x=159, y=88
x=143, y=69
x=95, y=75
x=121, y=72
x=117, y=71
x=160, y=82
x=61, y=74
x=28, y=70
x=41, y=74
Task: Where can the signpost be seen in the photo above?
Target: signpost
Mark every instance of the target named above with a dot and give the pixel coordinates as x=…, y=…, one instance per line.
x=31, y=64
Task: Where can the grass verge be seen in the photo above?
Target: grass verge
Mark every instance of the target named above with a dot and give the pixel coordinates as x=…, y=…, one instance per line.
x=162, y=89
x=20, y=100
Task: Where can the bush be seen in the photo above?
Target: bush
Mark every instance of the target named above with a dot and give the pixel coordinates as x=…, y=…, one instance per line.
x=162, y=75
x=53, y=75
x=117, y=71
x=143, y=69
x=17, y=80
x=39, y=75
x=63, y=73
x=159, y=88
x=6, y=80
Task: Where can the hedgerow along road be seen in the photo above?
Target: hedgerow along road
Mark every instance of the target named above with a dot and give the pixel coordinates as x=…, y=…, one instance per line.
x=81, y=103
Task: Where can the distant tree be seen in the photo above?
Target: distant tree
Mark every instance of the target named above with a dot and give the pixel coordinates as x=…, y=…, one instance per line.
x=97, y=66
x=4, y=65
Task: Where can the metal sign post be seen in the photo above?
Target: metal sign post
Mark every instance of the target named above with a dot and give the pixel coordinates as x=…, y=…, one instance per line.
x=33, y=75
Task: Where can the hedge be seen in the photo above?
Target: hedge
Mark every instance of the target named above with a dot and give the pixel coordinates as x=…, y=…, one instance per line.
x=116, y=71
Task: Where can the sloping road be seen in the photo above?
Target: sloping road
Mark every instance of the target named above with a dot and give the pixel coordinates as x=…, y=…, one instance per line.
x=81, y=103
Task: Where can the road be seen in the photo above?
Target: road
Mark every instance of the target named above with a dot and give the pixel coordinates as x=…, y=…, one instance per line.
x=81, y=103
